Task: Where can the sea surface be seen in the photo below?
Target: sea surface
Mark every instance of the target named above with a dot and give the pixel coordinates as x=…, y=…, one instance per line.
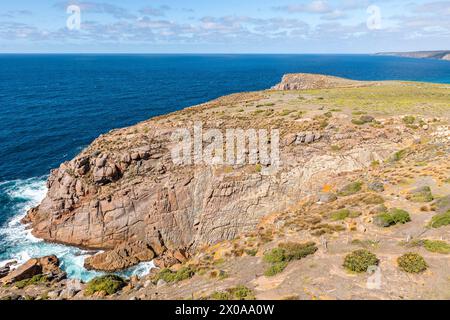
x=52, y=106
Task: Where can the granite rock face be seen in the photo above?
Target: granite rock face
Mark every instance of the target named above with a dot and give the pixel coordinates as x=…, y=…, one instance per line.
x=124, y=193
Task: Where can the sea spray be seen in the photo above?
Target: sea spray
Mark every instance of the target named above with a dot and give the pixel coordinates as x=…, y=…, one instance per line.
x=18, y=244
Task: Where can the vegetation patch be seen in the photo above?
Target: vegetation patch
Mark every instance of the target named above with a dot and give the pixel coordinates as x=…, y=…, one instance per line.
x=350, y=189
x=275, y=268
x=437, y=246
x=409, y=120
x=421, y=195
x=363, y=120
x=393, y=217
x=110, y=284
x=170, y=276
x=372, y=198
x=440, y=220
x=399, y=155
x=286, y=252
x=360, y=260
x=235, y=293
x=344, y=214
x=412, y=263
x=35, y=280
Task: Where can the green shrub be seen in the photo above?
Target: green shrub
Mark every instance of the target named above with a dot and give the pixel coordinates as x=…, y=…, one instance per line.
x=237, y=293
x=286, y=252
x=383, y=220
x=437, y=246
x=251, y=252
x=409, y=119
x=363, y=120
x=440, y=220
x=275, y=255
x=360, y=260
x=170, y=276
x=393, y=217
x=109, y=284
x=37, y=279
x=373, y=198
x=340, y=215
x=297, y=251
x=220, y=295
x=275, y=268
x=399, y=155
x=421, y=195
x=344, y=214
x=399, y=216
x=412, y=263
x=350, y=189
x=242, y=293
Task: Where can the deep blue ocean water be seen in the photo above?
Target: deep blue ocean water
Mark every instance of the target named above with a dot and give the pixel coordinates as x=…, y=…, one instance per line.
x=52, y=106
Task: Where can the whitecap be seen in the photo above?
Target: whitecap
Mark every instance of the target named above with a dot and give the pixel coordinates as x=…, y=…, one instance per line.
x=21, y=245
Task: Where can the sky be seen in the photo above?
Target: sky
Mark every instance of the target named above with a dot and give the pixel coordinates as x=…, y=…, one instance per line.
x=223, y=26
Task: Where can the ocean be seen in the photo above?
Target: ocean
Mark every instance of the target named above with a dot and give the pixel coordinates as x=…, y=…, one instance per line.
x=52, y=106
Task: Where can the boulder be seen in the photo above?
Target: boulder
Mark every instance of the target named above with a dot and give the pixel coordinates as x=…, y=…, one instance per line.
x=33, y=267
x=4, y=272
x=376, y=186
x=27, y=270
x=327, y=197
x=49, y=264
x=72, y=287
x=122, y=257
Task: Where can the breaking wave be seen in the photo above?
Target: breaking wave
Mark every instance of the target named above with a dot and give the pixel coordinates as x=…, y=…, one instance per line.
x=18, y=244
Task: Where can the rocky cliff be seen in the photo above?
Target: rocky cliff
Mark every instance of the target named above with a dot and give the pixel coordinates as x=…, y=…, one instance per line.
x=363, y=183
x=125, y=195
x=440, y=55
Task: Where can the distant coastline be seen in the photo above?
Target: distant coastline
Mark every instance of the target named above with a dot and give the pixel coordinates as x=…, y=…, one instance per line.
x=439, y=55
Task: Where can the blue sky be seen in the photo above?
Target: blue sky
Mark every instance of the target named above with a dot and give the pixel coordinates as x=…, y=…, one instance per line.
x=231, y=26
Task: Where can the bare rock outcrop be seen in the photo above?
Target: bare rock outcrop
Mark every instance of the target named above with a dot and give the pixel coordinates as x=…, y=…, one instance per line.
x=46, y=265
x=306, y=81
x=121, y=257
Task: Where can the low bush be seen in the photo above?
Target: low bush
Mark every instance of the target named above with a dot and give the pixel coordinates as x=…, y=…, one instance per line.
x=440, y=220
x=110, y=284
x=393, y=217
x=37, y=279
x=399, y=216
x=275, y=268
x=421, y=195
x=360, y=260
x=344, y=214
x=237, y=293
x=437, y=246
x=275, y=255
x=409, y=119
x=412, y=263
x=286, y=252
x=297, y=251
x=350, y=189
x=170, y=276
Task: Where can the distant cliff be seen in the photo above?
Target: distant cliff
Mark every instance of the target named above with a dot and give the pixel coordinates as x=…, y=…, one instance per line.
x=441, y=55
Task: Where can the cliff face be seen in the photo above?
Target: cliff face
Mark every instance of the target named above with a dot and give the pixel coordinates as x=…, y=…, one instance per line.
x=440, y=55
x=124, y=191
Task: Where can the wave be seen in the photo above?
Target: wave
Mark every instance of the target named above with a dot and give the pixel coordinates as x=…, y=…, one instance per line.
x=18, y=244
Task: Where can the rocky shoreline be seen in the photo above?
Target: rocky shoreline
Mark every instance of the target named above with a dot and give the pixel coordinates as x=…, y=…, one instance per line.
x=125, y=196
x=440, y=55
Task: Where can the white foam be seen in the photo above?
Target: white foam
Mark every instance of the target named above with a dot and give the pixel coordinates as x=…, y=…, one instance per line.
x=22, y=245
